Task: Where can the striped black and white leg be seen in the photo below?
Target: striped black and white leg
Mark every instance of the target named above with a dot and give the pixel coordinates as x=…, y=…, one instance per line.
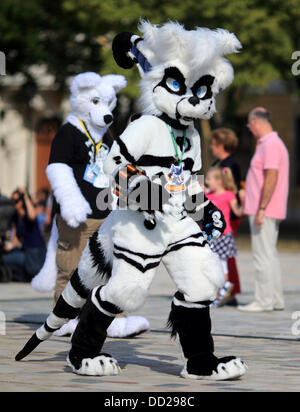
x=85, y=357
x=192, y=324
x=67, y=307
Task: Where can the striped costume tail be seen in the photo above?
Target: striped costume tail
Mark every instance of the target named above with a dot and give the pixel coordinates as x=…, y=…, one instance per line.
x=67, y=307
x=95, y=268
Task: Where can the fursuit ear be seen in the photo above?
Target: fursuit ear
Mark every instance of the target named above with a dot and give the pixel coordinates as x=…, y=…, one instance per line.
x=85, y=80
x=117, y=81
x=223, y=74
x=120, y=47
x=126, y=52
x=228, y=42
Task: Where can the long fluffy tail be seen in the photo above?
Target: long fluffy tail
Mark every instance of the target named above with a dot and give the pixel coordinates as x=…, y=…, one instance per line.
x=67, y=307
x=45, y=280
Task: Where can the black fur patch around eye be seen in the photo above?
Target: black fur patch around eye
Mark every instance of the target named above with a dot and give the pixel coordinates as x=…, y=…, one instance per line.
x=175, y=74
x=207, y=81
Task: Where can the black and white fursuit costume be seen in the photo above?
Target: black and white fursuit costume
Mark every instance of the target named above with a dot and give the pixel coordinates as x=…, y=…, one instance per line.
x=182, y=71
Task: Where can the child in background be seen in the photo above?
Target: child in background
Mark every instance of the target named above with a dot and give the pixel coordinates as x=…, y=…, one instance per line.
x=221, y=192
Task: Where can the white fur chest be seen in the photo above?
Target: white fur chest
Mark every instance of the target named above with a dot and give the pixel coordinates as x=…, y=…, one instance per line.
x=147, y=143
x=161, y=150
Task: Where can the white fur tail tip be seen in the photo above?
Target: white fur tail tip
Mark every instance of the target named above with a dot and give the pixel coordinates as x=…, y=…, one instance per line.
x=100, y=366
x=45, y=280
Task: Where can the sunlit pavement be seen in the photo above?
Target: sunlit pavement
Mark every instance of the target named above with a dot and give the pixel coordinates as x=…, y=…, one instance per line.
x=268, y=342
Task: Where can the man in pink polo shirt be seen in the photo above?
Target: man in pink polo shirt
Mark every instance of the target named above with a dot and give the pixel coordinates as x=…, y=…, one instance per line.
x=267, y=186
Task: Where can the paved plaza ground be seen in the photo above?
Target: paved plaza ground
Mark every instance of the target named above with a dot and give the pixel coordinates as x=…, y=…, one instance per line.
x=268, y=342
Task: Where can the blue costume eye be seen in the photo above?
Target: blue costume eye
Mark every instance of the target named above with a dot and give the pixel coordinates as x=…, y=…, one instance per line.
x=173, y=84
x=201, y=92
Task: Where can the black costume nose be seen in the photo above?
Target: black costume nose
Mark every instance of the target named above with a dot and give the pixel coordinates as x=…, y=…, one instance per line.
x=108, y=118
x=194, y=100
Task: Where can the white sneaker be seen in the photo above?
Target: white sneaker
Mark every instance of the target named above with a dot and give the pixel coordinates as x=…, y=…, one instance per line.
x=253, y=307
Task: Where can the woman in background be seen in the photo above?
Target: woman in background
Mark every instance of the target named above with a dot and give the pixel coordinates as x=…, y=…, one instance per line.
x=224, y=143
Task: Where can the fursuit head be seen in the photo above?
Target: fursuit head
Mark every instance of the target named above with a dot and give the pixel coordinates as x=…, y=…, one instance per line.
x=182, y=70
x=94, y=97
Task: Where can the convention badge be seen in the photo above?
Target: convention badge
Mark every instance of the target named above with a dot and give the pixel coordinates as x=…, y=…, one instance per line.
x=101, y=181
x=90, y=174
x=175, y=182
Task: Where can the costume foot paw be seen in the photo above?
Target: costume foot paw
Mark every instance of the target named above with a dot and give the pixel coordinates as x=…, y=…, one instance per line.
x=233, y=369
x=128, y=327
x=102, y=365
x=226, y=369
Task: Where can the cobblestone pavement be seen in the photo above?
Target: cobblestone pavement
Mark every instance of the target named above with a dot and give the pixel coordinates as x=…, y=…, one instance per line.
x=268, y=342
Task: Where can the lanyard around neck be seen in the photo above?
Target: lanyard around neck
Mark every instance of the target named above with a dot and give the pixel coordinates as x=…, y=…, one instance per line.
x=175, y=144
x=96, y=145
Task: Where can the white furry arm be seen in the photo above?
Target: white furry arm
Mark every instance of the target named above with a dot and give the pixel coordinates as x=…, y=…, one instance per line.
x=74, y=208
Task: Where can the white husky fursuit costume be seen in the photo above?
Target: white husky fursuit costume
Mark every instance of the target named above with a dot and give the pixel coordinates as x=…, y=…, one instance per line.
x=157, y=154
x=76, y=175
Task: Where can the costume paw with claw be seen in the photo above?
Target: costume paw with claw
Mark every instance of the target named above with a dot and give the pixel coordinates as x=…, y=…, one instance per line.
x=225, y=369
x=175, y=207
x=75, y=216
x=74, y=208
x=213, y=222
x=102, y=365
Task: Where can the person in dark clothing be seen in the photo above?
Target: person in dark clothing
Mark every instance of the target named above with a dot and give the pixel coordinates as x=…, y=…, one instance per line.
x=224, y=143
x=27, y=251
x=7, y=211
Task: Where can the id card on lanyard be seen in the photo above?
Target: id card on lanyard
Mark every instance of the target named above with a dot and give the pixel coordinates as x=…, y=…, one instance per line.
x=92, y=170
x=90, y=174
x=175, y=176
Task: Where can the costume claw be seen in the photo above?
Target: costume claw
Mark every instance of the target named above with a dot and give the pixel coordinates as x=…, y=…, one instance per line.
x=99, y=366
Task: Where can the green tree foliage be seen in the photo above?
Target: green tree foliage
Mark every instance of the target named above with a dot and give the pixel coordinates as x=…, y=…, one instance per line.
x=45, y=32
x=71, y=36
